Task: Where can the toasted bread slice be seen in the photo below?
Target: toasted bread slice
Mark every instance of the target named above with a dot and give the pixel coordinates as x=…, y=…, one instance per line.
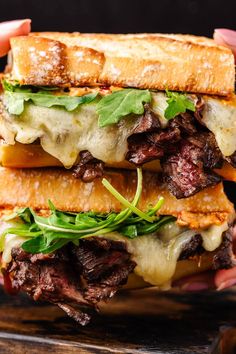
x=153, y=61
x=33, y=188
x=33, y=156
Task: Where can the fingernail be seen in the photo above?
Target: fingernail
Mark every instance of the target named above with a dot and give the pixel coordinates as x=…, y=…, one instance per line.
x=227, y=284
x=196, y=286
x=227, y=36
x=12, y=25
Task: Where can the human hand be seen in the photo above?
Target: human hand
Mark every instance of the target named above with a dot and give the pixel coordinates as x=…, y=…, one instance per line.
x=219, y=280
x=226, y=37
x=11, y=29
x=225, y=278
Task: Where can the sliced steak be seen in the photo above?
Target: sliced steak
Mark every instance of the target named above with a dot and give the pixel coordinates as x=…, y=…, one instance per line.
x=224, y=257
x=192, y=248
x=165, y=139
x=186, y=172
x=74, y=278
x=232, y=159
x=185, y=123
x=187, y=155
x=141, y=151
x=88, y=168
x=211, y=154
x=50, y=279
x=107, y=286
x=96, y=258
x=188, y=151
x=104, y=264
x=148, y=122
x=199, y=108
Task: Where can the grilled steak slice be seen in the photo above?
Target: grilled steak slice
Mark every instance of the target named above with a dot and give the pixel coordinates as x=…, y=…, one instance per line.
x=224, y=257
x=211, y=154
x=50, y=279
x=192, y=248
x=95, y=258
x=104, y=264
x=185, y=123
x=88, y=168
x=140, y=150
x=232, y=159
x=185, y=172
x=107, y=287
x=199, y=107
x=188, y=152
x=74, y=278
x=186, y=148
x=148, y=122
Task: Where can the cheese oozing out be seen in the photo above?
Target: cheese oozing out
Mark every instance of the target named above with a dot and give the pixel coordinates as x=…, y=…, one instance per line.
x=156, y=255
x=64, y=134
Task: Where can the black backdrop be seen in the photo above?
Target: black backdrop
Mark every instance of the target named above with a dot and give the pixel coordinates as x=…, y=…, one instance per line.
x=184, y=16
x=121, y=16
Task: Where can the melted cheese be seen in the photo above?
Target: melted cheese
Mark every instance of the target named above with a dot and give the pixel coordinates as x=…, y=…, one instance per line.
x=10, y=242
x=64, y=134
x=156, y=255
x=212, y=237
x=220, y=117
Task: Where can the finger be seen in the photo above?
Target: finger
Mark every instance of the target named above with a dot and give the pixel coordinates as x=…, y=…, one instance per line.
x=11, y=29
x=226, y=37
x=197, y=282
x=225, y=278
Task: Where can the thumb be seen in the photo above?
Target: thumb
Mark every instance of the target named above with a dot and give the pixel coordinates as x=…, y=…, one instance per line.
x=226, y=37
x=11, y=29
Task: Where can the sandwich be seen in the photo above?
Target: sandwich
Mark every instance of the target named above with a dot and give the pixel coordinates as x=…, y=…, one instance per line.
x=114, y=149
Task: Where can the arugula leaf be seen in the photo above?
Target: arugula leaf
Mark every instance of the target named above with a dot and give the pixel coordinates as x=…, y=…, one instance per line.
x=129, y=231
x=16, y=95
x=47, y=234
x=113, y=107
x=25, y=215
x=15, y=101
x=42, y=244
x=177, y=103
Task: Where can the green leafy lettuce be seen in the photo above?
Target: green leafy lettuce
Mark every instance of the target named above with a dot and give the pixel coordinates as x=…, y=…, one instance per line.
x=47, y=234
x=15, y=97
x=113, y=107
x=177, y=103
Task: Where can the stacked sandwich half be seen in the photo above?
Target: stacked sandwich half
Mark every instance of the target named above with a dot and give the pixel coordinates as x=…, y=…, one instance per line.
x=114, y=149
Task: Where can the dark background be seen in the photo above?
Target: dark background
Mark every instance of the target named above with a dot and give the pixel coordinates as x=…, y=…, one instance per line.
x=122, y=16
x=183, y=16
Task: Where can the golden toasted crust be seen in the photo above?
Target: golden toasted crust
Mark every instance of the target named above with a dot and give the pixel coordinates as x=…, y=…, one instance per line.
x=154, y=61
x=33, y=188
x=33, y=156
x=40, y=61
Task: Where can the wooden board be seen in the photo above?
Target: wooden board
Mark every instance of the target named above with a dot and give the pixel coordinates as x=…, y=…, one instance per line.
x=134, y=322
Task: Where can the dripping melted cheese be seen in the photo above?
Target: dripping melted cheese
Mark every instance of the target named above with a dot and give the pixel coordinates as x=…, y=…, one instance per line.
x=156, y=255
x=64, y=134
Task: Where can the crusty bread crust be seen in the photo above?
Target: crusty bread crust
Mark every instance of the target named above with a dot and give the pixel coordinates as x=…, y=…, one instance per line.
x=154, y=61
x=33, y=188
x=33, y=156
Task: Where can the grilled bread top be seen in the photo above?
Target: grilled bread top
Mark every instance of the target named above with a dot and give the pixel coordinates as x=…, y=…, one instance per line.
x=34, y=187
x=153, y=61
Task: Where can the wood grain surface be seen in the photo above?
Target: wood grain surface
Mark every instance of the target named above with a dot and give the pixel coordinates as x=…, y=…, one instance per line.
x=134, y=322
